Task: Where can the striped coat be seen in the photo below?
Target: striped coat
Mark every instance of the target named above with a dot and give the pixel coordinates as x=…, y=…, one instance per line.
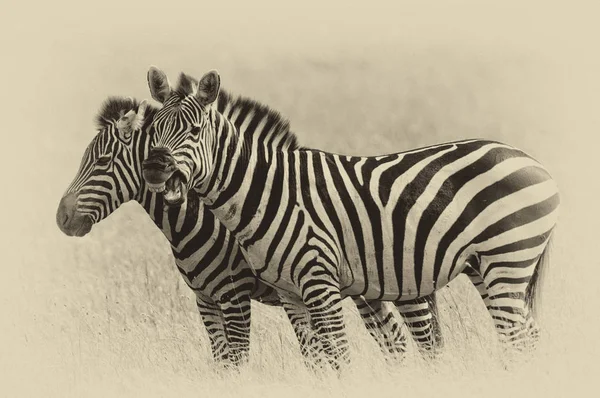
x=322, y=226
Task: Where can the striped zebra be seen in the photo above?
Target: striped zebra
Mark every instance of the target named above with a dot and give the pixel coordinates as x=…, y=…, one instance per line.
x=321, y=226
x=205, y=254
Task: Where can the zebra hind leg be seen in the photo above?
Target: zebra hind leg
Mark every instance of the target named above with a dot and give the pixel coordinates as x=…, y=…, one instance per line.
x=383, y=326
x=511, y=285
x=422, y=314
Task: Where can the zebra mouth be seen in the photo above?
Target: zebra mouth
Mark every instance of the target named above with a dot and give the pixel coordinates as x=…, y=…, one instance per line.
x=156, y=188
x=175, y=189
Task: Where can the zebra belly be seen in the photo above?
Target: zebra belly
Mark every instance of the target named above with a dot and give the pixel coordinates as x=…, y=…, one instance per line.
x=396, y=280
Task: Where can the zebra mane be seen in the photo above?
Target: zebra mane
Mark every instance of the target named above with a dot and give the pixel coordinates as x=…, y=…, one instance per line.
x=114, y=107
x=227, y=100
x=281, y=125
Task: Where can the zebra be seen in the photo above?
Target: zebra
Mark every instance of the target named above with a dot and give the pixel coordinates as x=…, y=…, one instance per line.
x=205, y=253
x=321, y=226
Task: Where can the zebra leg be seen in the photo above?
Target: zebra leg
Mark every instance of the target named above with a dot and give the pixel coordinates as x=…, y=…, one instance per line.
x=213, y=320
x=507, y=289
x=236, y=314
x=421, y=318
x=307, y=339
x=383, y=327
x=324, y=303
x=436, y=329
x=416, y=318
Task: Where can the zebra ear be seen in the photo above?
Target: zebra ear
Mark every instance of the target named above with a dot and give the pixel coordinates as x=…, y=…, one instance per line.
x=160, y=88
x=131, y=122
x=142, y=112
x=208, y=88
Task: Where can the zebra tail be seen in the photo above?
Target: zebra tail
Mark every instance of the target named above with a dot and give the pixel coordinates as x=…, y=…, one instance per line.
x=532, y=293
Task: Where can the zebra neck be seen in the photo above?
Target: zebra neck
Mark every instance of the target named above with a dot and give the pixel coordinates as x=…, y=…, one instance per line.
x=239, y=177
x=154, y=206
x=174, y=222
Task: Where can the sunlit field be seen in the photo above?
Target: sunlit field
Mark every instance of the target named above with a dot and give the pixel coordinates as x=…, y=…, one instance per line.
x=109, y=315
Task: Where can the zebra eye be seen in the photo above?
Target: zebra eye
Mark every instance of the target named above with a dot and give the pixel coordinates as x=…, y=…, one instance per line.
x=195, y=130
x=103, y=161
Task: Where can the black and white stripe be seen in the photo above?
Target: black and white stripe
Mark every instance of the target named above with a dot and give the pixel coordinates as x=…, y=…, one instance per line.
x=322, y=226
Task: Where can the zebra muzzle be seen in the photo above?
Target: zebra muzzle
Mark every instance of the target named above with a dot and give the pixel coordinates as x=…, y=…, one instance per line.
x=156, y=174
x=158, y=168
x=162, y=175
x=69, y=220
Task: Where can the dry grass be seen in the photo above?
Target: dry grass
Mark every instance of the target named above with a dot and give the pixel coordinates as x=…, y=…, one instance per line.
x=108, y=315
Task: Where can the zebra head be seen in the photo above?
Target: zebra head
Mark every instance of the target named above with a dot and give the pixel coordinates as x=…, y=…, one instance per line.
x=110, y=170
x=183, y=147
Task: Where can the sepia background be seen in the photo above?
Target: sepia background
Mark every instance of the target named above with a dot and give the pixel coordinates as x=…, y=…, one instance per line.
x=108, y=314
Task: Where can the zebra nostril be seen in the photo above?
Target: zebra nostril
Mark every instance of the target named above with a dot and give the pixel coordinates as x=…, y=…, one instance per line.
x=65, y=219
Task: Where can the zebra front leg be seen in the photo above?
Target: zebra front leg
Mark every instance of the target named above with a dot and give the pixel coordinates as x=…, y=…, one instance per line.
x=422, y=319
x=236, y=314
x=383, y=326
x=322, y=297
x=310, y=346
x=213, y=320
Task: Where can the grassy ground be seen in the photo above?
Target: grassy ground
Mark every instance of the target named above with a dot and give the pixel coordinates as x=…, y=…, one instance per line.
x=107, y=315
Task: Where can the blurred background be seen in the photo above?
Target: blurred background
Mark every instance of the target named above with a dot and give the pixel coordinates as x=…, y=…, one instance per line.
x=108, y=314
